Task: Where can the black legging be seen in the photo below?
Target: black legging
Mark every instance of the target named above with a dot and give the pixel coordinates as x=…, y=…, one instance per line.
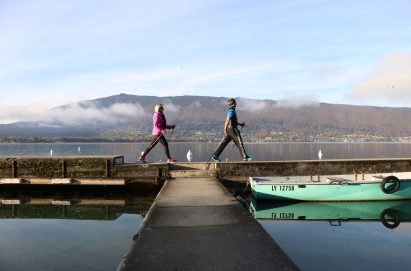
x=154, y=142
x=233, y=134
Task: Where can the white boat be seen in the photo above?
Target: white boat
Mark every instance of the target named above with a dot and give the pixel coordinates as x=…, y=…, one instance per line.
x=361, y=187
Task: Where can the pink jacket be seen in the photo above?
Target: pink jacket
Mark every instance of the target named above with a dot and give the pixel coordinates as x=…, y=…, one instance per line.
x=158, y=124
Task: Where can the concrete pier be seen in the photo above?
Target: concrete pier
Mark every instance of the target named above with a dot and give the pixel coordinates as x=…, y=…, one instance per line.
x=196, y=224
x=111, y=170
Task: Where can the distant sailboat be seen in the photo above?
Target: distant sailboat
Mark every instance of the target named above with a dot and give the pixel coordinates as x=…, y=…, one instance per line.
x=78, y=149
x=189, y=155
x=51, y=152
x=320, y=154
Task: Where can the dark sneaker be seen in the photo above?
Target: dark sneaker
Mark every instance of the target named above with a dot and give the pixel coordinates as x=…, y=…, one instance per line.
x=142, y=159
x=171, y=160
x=216, y=158
x=248, y=158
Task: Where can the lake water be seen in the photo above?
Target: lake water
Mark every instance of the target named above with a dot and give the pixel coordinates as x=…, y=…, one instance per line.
x=96, y=237
x=202, y=151
x=93, y=233
x=341, y=235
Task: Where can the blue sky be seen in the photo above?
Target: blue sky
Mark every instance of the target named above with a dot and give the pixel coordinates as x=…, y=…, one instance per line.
x=60, y=52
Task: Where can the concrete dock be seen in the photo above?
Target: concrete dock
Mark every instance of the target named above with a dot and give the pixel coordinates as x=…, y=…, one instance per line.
x=196, y=224
x=111, y=170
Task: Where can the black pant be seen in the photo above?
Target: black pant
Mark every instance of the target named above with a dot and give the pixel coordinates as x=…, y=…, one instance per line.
x=154, y=142
x=233, y=134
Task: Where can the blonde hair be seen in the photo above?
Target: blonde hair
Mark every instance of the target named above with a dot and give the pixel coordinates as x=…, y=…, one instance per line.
x=157, y=107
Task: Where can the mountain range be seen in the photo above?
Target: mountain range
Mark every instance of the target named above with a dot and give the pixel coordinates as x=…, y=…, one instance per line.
x=129, y=117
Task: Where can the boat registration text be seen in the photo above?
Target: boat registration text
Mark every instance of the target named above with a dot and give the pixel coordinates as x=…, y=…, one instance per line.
x=282, y=188
x=283, y=215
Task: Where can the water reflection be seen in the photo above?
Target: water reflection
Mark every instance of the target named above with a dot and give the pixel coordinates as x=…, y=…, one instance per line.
x=75, y=228
x=70, y=209
x=389, y=213
x=94, y=203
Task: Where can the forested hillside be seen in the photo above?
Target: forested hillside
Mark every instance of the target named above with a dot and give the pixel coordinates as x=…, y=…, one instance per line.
x=202, y=118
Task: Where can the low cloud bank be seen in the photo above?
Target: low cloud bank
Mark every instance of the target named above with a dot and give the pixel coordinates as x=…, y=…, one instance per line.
x=85, y=113
x=169, y=106
x=298, y=100
x=252, y=105
x=73, y=114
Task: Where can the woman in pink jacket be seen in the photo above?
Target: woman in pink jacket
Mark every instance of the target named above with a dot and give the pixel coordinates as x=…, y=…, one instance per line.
x=159, y=128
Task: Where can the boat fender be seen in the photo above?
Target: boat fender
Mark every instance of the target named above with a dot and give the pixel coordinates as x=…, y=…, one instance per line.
x=390, y=179
x=392, y=213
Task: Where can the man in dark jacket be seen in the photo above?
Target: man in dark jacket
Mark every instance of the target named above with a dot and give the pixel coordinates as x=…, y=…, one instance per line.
x=231, y=132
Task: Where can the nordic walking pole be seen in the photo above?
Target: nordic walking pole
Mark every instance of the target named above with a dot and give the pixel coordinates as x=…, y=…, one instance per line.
x=210, y=157
x=208, y=161
x=230, y=152
x=233, y=145
x=167, y=141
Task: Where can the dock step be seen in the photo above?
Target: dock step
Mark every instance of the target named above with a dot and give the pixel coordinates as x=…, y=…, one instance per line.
x=192, y=173
x=11, y=201
x=85, y=202
x=61, y=202
x=61, y=181
x=190, y=166
x=65, y=181
x=11, y=180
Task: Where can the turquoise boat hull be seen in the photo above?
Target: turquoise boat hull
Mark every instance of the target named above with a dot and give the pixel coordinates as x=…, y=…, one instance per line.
x=390, y=213
x=340, y=188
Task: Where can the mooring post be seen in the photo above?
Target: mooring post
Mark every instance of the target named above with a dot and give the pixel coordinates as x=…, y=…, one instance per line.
x=13, y=168
x=64, y=169
x=107, y=168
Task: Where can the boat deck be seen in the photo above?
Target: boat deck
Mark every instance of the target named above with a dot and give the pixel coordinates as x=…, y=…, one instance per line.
x=329, y=179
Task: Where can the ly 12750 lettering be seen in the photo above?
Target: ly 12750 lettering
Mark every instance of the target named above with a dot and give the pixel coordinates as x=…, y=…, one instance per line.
x=282, y=188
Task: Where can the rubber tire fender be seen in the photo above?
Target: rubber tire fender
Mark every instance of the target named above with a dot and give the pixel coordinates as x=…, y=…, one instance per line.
x=385, y=222
x=390, y=179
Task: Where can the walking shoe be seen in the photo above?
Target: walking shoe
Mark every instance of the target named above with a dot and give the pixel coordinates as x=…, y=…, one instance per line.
x=171, y=160
x=142, y=159
x=248, y=158
x=216, y=158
